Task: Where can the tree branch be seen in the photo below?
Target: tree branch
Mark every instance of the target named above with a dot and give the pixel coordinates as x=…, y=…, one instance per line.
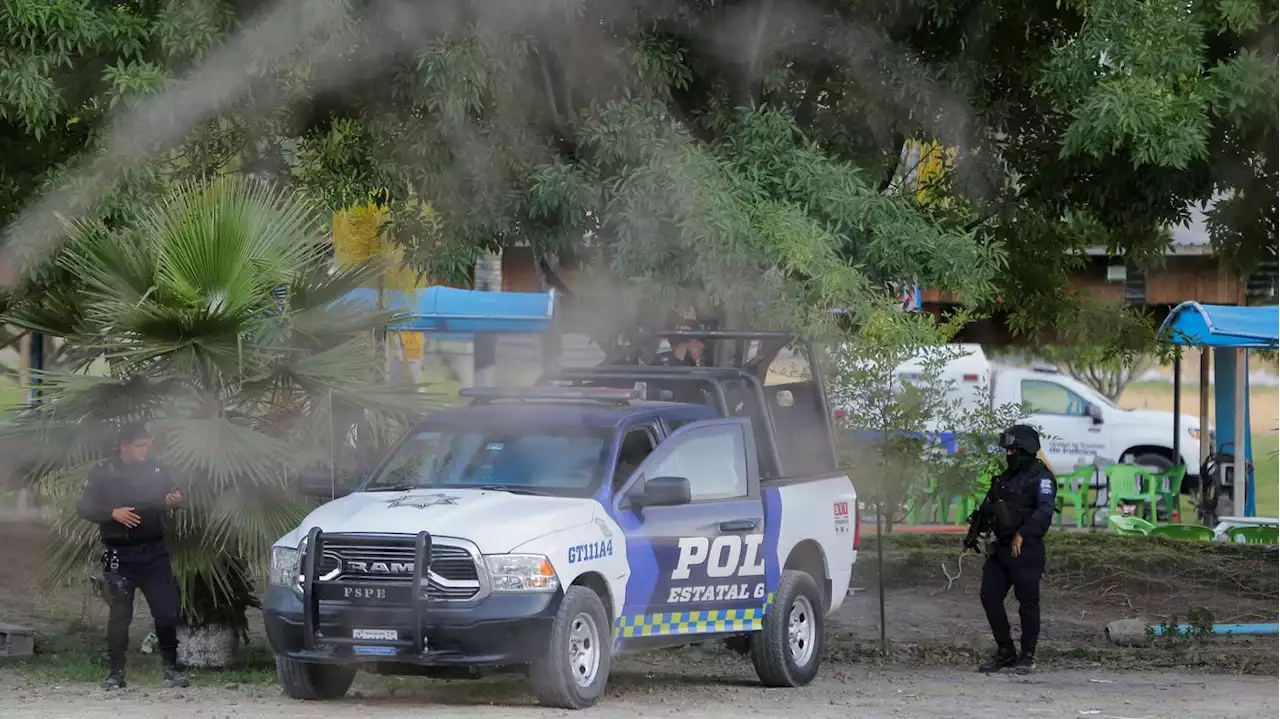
x=898, y=141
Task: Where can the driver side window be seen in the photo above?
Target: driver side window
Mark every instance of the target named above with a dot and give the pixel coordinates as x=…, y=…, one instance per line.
x=713, y=459
x=1040, y=397
x=637, y=444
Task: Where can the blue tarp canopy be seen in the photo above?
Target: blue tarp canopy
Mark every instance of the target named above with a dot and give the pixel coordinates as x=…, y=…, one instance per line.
x=455, y=311
x=1226, y=328
x=1192, y=323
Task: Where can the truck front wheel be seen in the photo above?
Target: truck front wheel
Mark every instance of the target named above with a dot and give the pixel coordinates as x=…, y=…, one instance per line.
x=573, y=671
x=787, y=650
x=314, y=682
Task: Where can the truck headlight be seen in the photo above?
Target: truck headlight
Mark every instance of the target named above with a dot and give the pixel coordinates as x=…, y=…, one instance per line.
x=1194, y=432
x=521, y=573
x=286, y=565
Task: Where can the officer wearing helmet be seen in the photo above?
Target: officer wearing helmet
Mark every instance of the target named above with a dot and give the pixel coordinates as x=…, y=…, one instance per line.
x=1017, y=510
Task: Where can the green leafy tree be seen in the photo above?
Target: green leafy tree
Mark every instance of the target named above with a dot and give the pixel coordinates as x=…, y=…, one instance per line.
x=910, y=436
x=757, y=148
x=743, y=155
x=219, y=319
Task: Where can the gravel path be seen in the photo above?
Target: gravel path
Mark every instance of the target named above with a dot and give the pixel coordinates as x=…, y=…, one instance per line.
x=658, y=689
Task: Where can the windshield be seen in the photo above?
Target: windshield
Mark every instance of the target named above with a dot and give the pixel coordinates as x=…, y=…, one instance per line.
x=1091, y=394
x=557, y=460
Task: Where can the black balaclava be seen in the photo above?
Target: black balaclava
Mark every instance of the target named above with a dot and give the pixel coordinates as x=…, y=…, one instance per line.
x=1019, y=460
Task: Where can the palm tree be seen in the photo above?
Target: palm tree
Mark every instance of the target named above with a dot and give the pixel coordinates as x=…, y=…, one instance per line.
x=217, y=317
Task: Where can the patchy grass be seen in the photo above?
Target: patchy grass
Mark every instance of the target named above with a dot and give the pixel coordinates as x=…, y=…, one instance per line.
x=1092, y=578
x=1266, y=474
x=1263, y=416
x=1083, y=560
x=79, y=656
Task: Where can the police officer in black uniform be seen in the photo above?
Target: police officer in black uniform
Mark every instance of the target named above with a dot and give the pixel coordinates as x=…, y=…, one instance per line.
x=684, y=352
x=1018, y=510
x=128, y=497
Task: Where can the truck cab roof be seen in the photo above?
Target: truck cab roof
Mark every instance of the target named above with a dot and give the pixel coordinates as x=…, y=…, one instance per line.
x=567, y=412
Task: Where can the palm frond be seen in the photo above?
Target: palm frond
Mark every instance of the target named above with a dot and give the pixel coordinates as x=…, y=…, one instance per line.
x=217, y=455
x=223, y=324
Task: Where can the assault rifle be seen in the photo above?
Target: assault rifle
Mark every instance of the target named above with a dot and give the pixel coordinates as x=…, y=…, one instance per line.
x=980, y=523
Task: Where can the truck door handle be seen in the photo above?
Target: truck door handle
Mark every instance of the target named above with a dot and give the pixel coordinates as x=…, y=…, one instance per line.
x=738, y=525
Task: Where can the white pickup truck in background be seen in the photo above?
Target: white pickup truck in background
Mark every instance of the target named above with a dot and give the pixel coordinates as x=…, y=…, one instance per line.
x=1079, y=425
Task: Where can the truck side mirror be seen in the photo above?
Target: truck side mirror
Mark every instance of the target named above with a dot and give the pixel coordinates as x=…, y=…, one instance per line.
x=1095, y=412
x=663, y=492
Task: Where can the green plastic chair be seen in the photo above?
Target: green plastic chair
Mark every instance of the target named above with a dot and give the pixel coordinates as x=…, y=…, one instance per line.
x=923, y=503
x=1124, y=483
x=1192, y=532
x=969, y=504
x=1254, y=535
x=1129, y=526
x=1068, y=492
x=1169, y=488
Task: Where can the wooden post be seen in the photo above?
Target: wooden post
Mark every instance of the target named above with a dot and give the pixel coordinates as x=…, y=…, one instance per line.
x=1241, y=478
x=1205, y=448
x=1177, y=410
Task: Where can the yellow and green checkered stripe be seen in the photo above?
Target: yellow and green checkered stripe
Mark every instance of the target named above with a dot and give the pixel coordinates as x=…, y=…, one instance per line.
x=703, y=622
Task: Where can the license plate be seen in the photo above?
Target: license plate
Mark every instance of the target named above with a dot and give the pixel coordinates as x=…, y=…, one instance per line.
x=377, y=635
x=376, y=651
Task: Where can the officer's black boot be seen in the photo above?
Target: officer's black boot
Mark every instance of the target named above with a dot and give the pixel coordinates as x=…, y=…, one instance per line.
x=1025, y=665
x=1004, y=657
x=114, y=680
x=173, y=677
x=167, y=635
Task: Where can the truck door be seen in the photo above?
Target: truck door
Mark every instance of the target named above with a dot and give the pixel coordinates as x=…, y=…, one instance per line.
x=1064, y=415
x=698, y=568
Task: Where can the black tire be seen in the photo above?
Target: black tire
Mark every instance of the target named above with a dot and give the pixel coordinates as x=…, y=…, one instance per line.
x=314, y=682
x=555, y=675
x=771, y=649
x=1150, y=459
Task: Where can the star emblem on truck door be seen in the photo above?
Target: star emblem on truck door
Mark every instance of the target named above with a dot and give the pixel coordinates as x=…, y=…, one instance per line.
x=421, y=502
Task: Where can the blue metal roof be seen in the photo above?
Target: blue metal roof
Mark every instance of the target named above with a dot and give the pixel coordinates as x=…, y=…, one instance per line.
x=1192, y=323
x=448, y=309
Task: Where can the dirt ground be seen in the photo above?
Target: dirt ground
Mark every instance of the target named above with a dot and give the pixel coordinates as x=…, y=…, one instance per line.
x=656, y=688
x=936, y=634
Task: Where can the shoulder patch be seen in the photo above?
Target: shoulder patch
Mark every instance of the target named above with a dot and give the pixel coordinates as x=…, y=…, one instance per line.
x=1046, y=486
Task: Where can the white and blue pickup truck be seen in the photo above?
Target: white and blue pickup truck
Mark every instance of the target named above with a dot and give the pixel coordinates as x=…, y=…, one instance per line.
x=549, y=529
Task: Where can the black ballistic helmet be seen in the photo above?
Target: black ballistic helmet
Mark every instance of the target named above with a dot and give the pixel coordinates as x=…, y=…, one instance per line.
x=1022, y=437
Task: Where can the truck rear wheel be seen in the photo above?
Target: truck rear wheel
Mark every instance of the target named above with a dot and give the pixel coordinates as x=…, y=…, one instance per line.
x=314, y=682
x=787, y=650
x=573, y=671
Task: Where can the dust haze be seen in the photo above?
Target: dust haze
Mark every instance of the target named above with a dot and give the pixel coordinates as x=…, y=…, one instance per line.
x=346, y=43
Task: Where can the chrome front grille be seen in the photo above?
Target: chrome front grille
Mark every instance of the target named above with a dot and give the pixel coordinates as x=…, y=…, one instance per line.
x=452, y=575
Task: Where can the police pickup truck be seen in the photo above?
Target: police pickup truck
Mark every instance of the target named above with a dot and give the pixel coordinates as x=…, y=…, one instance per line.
x=548, y=529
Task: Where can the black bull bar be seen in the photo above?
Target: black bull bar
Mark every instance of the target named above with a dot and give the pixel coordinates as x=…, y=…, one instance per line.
x=313, y=591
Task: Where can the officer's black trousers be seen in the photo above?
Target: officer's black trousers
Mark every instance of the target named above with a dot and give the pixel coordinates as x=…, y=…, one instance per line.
x=146, y=567
x=1023, y=574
